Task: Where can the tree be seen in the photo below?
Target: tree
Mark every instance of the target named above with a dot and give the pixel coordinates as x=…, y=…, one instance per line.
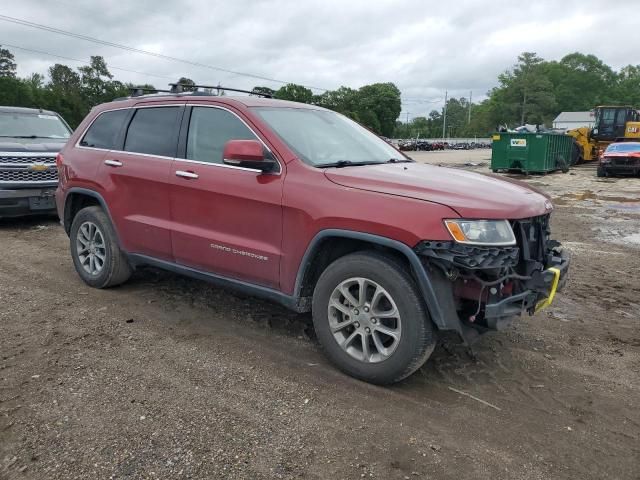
x=295, y=93
x=580, y=81
x=627, y=87
x=63, y=79
x=527, y=86
x=7, y=63
x=383, y=101
x=263, y=91
x=185, y=82
x=95, y=78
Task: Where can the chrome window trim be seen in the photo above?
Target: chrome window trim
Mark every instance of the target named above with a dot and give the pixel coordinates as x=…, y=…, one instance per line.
x=277, y=160
x=223, y=165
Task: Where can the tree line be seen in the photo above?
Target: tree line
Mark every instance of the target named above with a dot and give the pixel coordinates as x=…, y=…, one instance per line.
x=72, y=93
x=533, y=91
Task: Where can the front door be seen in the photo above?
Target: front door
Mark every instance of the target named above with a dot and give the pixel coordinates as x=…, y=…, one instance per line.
x=226, y=220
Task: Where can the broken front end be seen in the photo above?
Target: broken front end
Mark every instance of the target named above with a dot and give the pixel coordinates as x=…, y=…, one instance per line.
x=487, y=286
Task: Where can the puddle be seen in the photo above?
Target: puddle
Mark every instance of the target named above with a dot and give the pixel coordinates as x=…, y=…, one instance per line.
x=635, y=238
x=625, y=208
x=589, y=195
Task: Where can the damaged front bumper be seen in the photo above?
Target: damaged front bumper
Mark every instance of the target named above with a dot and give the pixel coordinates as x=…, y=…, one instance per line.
x=485, y=288
x=539, y=292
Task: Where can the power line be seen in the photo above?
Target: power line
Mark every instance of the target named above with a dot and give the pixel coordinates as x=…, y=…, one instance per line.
x=82, y=61
x=87, y=38
x=420, y=100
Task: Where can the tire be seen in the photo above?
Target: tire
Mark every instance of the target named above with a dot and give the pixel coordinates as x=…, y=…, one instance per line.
x=115, y=268
x=388, y=281
x=601, y=172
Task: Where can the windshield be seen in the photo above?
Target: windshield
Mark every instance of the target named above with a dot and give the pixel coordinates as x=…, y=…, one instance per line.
x=32, y=125
x=323, y=138
x=623, y=147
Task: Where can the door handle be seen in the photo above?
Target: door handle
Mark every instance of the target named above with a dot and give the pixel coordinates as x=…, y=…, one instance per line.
x=113, y=163
x=185, y=174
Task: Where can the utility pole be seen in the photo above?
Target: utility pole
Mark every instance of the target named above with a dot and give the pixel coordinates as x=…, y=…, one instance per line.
x=470, y=96
x=408, y=117
x=444, y=117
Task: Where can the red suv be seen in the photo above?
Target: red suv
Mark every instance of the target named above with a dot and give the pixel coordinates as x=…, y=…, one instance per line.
x=300, y=205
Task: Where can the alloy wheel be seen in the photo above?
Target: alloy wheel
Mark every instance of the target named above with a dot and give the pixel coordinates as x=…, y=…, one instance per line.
x=364, y=320
x=91, y=248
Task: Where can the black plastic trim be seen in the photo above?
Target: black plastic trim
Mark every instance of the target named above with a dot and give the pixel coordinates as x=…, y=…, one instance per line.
x=422, y=277
x=89, y=193
x=288, y=301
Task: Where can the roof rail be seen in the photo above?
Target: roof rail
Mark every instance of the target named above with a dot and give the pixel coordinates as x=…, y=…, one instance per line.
x=139, y=91
x=182, y=87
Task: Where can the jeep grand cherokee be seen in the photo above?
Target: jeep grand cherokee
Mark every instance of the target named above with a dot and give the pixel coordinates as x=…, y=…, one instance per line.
x=301, y=205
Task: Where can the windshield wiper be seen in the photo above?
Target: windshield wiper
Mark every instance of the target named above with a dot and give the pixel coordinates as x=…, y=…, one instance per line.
x=346, y=163
x=400, y=160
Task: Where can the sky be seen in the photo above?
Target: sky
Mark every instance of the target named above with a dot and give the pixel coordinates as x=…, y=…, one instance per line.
x=424, y=47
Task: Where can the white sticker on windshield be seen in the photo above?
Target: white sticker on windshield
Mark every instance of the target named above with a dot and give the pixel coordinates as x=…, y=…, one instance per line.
x=48, y=117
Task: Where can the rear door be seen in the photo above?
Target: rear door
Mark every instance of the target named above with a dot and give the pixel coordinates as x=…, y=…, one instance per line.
x=227, y=220
x=136, y=180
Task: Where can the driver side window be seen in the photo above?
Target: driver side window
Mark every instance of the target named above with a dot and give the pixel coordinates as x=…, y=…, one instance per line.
x=209, y=130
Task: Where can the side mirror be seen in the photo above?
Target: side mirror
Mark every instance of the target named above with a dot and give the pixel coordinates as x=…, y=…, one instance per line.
x=247, y=154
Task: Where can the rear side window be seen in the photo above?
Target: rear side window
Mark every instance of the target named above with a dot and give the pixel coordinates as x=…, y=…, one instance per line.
x=209, y=130
x=103, y=132
x=153, y=131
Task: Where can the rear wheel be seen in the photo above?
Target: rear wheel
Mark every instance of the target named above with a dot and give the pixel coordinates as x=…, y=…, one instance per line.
x=95, y=251
x=370, y=318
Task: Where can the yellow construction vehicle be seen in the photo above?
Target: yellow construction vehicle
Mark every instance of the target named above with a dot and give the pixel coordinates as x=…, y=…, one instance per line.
x=612, y=124
x=587, y=148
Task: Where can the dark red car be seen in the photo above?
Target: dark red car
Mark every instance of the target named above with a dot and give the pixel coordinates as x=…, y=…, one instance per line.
x=300, y=205
x=622, y=158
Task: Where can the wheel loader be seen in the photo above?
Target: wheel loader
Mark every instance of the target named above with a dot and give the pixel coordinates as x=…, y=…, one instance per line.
x=612, y=124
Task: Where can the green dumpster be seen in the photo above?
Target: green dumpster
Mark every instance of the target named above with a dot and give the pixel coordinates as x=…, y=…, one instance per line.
x=531, y=152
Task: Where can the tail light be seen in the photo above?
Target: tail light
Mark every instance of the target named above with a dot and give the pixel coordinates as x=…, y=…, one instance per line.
x=59, y=161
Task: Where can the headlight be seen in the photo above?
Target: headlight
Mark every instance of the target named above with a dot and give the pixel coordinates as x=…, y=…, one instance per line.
x=481, y=232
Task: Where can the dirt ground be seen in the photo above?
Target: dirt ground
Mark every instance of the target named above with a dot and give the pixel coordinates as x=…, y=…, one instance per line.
x=167, y=377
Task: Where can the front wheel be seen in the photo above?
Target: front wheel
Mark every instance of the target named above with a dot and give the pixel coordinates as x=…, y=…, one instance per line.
x=95, y=251
x=601, y=172
x=370, y=319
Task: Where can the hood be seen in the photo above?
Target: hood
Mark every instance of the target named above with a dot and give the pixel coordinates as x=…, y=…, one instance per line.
x=34, y=145
x=471, y=195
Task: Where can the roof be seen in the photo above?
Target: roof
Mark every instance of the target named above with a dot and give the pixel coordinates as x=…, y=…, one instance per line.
x=575, y=117
x=188, y=97
x=25, y=110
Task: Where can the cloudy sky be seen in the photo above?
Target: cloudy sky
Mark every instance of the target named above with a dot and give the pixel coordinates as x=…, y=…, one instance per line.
x=424, y=47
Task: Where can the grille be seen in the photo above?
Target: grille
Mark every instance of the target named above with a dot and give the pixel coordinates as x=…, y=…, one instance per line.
x=624, y=161
x=14, y=175
x=470, y=257
x=8, y=159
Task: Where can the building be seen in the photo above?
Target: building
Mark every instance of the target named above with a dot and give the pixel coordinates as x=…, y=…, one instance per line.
x=570, y=120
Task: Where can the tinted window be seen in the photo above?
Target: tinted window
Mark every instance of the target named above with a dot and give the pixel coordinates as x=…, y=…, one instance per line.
x=152, y=131
x=103, y=132
x=209, y=130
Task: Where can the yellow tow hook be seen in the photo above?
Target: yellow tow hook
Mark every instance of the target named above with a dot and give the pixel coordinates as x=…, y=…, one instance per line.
x=554, y=286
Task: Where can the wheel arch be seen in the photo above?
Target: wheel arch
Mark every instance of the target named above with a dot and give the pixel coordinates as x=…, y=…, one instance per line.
x=331, y=244
x=78, y=198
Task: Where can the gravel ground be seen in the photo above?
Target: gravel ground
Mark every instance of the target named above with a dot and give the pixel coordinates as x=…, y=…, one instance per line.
x=167, y=377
